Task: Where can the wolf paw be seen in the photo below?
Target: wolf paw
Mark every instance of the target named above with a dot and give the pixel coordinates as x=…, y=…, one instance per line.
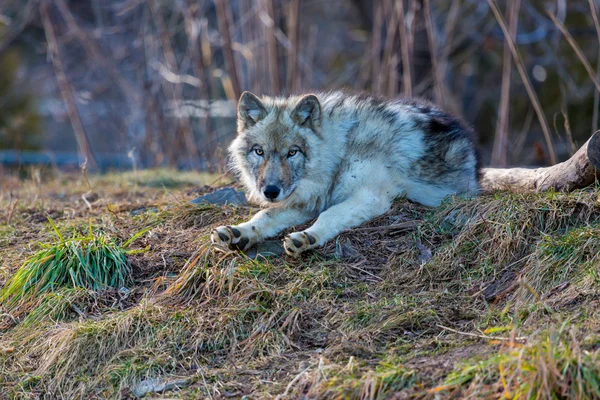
x=298, y=242
x=231, y=238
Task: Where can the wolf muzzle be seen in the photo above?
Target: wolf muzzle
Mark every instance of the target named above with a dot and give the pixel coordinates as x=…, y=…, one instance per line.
x=271, y=192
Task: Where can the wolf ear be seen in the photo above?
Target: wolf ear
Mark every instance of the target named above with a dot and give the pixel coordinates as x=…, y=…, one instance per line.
x=308, y=111
x=250, y=109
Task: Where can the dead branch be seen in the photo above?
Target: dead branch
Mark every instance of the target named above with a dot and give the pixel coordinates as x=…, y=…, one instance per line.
x=293, y=32
x=387, y=66
x=225, y=21
x=579, y=171
x=405, y=48
x=499, y=152
x=65, y=87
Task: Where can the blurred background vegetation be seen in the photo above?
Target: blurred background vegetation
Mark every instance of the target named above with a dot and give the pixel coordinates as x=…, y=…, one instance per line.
x=147, y=83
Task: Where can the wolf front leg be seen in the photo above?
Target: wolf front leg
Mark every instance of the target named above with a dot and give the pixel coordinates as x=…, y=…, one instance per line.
x=362, y=206
x=265, y=224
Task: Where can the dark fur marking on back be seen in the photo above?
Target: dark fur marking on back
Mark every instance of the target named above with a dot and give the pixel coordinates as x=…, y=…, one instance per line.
x=441, y=132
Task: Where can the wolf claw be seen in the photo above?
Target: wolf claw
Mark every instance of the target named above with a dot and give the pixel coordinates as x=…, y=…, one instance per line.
x=298, y=242
x=230, y=238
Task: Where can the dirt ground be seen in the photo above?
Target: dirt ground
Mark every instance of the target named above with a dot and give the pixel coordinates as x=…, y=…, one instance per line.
x=493, y=297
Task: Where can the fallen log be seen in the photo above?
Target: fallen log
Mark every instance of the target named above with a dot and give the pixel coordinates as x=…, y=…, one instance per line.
x=579, y=171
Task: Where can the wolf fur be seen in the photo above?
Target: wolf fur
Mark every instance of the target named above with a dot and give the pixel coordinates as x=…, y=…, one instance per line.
x=342, y=158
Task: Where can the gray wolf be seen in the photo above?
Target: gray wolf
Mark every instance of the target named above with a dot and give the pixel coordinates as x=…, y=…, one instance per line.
x=342, y=158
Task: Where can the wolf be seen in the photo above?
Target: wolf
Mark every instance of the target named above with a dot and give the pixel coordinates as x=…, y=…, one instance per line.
x=342, y=158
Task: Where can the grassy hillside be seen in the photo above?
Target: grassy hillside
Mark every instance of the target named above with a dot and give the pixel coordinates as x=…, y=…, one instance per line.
x=111, y=289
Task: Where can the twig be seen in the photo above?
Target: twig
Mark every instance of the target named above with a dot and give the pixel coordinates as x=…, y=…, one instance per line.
x=577, y=50
x=496, y=297
x=27, y=16
x=356, y=267
x=78, y=311
x=526, y=81
x=11, y=210
x=388, y=228
x=87, y=203
x=596, y=93
x=85, y=175
x=293, y=381
x=499, y=338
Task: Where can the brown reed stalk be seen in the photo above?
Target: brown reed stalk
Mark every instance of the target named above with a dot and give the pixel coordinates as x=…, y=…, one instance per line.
x=526, y=81
x=405, y=48
x=500, y=149
x=272, y=47
x=577, y=50
x=225, y=22
x=293, y=29
x=438, y=78
x=64, y=85
x=376, y=46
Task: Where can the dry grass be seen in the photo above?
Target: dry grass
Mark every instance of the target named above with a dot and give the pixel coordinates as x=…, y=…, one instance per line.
x=488, y=297
x=553, y=366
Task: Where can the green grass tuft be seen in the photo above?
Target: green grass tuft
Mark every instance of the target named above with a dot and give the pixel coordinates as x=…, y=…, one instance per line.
x=93, y=261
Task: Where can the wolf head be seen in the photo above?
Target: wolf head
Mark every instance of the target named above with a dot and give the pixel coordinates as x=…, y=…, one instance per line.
x=276, y=138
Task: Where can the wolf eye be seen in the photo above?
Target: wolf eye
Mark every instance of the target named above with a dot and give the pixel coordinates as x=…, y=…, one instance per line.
x=259, y=152
x=292, y=153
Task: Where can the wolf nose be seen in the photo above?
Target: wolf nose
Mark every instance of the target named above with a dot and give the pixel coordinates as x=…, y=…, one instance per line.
x=271, y=192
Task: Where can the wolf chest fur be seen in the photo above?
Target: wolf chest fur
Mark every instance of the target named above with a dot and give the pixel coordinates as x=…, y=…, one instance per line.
x=342, y=159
